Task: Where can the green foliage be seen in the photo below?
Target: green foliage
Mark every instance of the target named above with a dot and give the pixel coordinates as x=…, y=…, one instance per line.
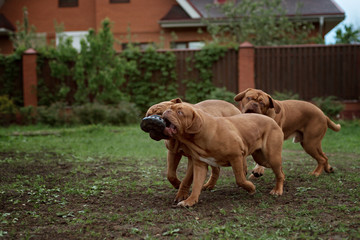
x=222, y=94
x=329, y=105
x=7, y=106
x=199, y=90
x=286, y=95
x=261, y=22
x=59, y=114
x=61, y=63
x=10, y=79
x=349, y=35
x=27, y=115
x=151, y=76
x=99, y=73
x=25, y=36
x=7, y=110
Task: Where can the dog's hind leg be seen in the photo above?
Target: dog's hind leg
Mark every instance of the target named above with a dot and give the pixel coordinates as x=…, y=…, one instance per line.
x=215, y=173
x=313, y=148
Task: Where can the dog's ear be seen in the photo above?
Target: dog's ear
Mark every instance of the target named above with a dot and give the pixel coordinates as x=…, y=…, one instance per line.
x=274, y=104
x=176, y=100
x=195, y=124
x=241, y=95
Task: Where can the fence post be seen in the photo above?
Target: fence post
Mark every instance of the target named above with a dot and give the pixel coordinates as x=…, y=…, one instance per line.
x=246, y=66
x=29, y=77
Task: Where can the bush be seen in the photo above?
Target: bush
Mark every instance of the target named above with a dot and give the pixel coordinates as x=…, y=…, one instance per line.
x=53, y=115
x=91, y=113
x=330, y=105
x=123, y=113
x=222, y=94
x=27, y=115
x=7, y=110
x=280, y=96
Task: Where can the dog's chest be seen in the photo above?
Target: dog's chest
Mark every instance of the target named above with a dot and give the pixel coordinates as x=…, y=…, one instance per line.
x=210, y=160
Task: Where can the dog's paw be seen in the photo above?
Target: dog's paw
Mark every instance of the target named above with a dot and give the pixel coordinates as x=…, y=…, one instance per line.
x=257, y=172
x=208, y=186
x=187, y=203
x=276, y=192
x=180, y=196
x=254, y=176
x=314, y=173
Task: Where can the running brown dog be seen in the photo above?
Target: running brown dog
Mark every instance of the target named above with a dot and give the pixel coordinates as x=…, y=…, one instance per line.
x=225, y=141
x=299, y=119
x=216, y=108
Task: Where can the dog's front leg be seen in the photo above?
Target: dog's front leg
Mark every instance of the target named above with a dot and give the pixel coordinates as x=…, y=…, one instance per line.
x=200, y=171
x=183, y=192
x=173, y=160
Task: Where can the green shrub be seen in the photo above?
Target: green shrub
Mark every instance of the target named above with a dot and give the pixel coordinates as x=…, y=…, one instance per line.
x=286, y=95
x=91, y=113
x=7, y=110
x=222, y=94
x=123, y=113
x=27, y=115
x=330, y=105
x=7, y=106
x=95, y=113
x=49, y=115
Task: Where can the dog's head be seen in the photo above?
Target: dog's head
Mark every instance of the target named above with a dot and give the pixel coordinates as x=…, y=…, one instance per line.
x=256, y=101
x=182, y=119
x=159, y=109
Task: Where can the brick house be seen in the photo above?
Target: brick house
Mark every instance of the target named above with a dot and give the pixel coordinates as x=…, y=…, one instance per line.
x=175, y=22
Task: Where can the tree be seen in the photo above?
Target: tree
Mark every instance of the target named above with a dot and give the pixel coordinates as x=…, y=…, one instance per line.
x=349, y=35
x=25, y=37
x=261, y=22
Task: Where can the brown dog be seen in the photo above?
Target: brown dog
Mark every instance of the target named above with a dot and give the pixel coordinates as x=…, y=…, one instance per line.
x=176, y=150
x=299, y=119
x=225, y=141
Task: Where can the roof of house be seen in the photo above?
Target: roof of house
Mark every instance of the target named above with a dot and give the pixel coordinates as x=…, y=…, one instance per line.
x=189, y=12
x=5, y=24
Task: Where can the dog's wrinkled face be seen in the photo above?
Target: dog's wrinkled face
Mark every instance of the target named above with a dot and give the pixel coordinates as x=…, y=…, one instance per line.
x=160, y=108
x=256, y=101
x=181, y=119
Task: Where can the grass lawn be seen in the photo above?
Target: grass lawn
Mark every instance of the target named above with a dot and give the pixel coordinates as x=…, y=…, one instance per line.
x=106, y=182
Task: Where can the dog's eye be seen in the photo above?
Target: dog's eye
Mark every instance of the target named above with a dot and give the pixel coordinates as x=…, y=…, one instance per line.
x=262, y=103
x=248, y=98
x=180, y=112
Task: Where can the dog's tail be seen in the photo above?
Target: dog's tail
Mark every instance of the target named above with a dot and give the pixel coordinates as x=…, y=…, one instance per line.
x=333, y=126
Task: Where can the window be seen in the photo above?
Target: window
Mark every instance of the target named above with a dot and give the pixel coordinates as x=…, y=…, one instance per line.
x=187, y=45
x=68, y=3
x=119, y=1
x=75, y=35
x=142, y=46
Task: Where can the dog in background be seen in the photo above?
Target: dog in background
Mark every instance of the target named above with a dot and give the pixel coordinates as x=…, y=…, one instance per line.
x=299, y=119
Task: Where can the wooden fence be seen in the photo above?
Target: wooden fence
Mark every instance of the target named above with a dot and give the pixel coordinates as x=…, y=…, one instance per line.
x=309, y=70
x=225, y=70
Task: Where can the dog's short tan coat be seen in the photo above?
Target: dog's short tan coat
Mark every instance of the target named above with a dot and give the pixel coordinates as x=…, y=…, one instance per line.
x=225, y=141
x=176, y=150
x=299, y=119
